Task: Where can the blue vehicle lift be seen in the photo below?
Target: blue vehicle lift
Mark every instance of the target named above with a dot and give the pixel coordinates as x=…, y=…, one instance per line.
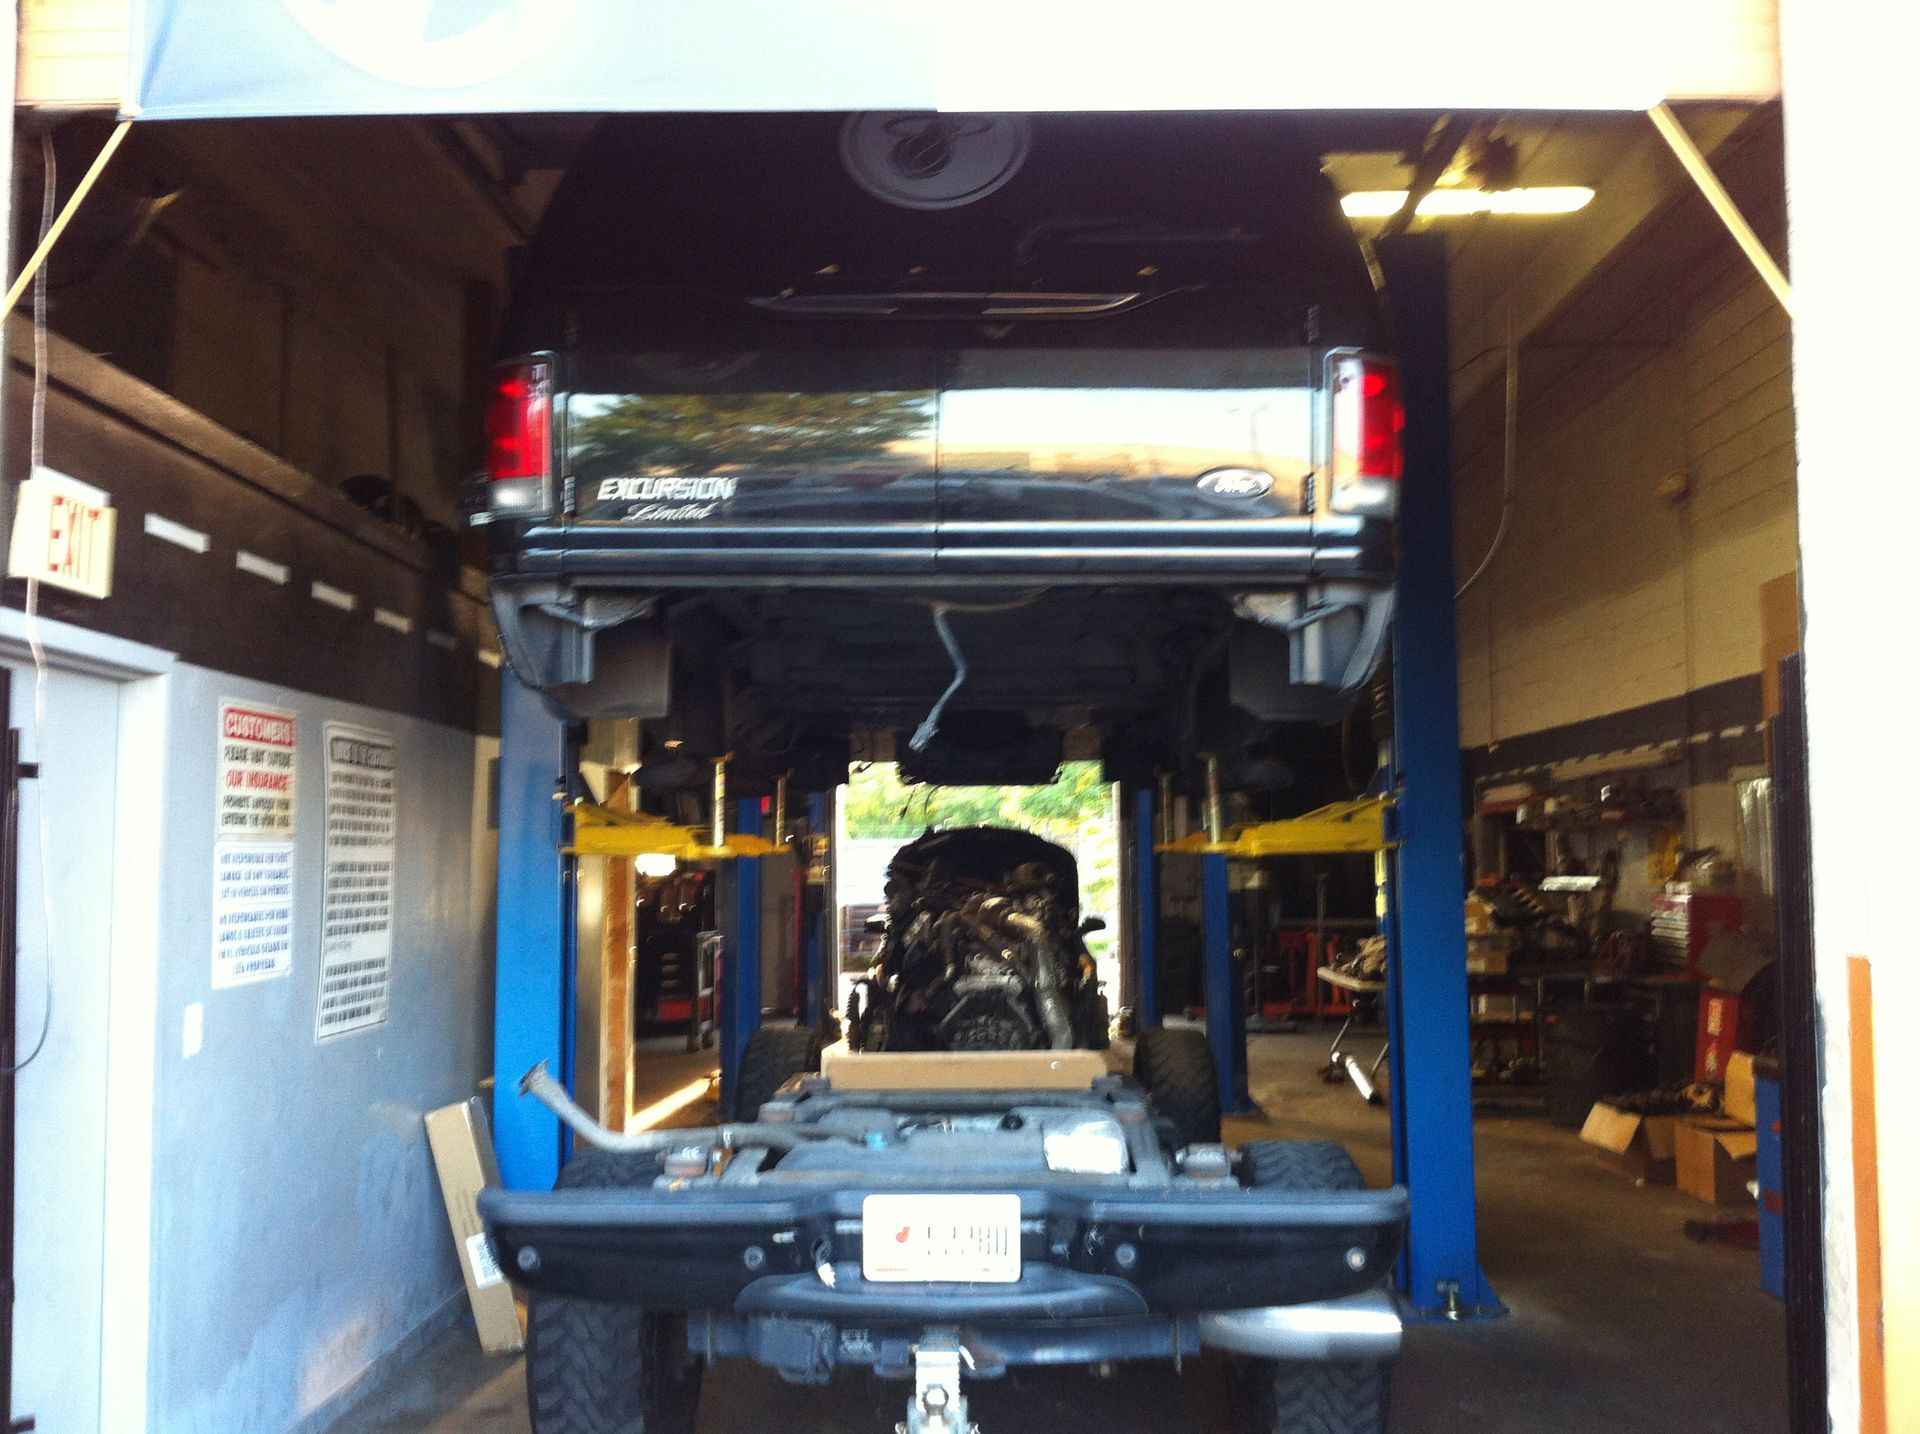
x=533, y=971
x=1432, y=1091
x=1432, y=1097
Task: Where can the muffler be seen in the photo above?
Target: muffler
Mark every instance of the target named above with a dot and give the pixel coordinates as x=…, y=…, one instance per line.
x=1363, y=1327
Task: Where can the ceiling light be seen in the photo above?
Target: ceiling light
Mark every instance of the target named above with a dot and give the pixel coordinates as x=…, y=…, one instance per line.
x=655, y=863
x=1449, y=203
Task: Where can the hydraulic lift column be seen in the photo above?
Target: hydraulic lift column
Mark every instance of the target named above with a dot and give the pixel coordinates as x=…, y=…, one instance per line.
x=817, y=999
x=534, y=956
x=739, y=909
x=1225, y=997
x=1426, y=927
x=1146, y=911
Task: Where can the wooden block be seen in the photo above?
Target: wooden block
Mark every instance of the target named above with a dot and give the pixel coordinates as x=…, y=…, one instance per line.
x=961, y=1070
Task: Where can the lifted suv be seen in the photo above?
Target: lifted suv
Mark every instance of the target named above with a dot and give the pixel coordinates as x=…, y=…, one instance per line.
x=970, y=430
x=942, y=1235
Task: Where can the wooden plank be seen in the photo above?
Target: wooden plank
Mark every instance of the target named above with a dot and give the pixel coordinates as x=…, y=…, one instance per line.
x=73, y=53
x=961, y=1070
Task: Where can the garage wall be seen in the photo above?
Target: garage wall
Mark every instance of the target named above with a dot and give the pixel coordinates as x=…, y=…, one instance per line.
x=297, y=1246
x=298, y=1235
x=325, y=290
x=1611, y=591
x=1653, y=483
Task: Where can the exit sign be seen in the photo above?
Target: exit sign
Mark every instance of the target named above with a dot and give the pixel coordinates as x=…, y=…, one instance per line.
x=62, y=534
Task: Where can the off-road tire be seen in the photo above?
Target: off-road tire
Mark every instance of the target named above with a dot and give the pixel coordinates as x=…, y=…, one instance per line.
x=1289, y=1398
x=598, y=1368
x=1299, y=1165
x=1176, y=1068
x=1282, y=1397
x=774, y=1055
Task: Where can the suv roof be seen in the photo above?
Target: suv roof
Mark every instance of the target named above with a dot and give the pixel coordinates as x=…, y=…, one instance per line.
x=746, y=208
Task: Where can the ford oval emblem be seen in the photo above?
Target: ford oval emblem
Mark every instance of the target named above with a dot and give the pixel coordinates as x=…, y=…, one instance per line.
x=1236, y=483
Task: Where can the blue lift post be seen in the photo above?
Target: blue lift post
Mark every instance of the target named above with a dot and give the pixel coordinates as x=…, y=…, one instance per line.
x=1146, y=903
x=818, y=938
x=1432, y=1085
x=1226, y=1021
x=533, y=962
x=740, y=974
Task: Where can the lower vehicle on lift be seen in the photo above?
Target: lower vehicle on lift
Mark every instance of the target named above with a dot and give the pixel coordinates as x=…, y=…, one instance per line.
x=985, y=950
x=947, y=1235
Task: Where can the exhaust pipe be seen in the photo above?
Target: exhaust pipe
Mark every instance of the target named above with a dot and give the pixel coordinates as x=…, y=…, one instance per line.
x=1363, y=1327
x=540, y=1084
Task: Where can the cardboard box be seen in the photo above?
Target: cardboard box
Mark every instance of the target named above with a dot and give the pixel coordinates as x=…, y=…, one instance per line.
x=1501, y=1006
x=1714, y=1159
x=463, y=1154
x=1738, y=1101
x=1638, y=1146
x=1488, y=957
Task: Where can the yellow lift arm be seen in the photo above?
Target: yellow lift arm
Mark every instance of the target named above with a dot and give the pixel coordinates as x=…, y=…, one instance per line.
x=602, y=831
x=1359, y=826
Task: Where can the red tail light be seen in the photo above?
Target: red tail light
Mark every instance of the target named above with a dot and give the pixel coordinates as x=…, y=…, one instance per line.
x=520, y=423
x=1368, y=422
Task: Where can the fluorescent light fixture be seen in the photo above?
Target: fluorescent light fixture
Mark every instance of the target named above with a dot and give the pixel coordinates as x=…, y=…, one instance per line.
x=671, y=1104
x=656, y=863
x=1451, y=203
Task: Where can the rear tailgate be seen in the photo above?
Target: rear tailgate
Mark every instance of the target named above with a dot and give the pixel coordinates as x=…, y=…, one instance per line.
x=737, y=452
x=1123, y=454
x=997, y=459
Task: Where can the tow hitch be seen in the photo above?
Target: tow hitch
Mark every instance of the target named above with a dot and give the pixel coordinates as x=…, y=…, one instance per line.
x=938, y=1406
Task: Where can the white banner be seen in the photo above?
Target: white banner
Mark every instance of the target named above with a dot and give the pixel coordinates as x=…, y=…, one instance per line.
x=209, y=59
x=356, y=922
x=254, y=790
x=252, y=911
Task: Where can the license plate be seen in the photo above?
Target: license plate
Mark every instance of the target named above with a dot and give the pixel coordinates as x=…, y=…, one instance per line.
x=973, y=1239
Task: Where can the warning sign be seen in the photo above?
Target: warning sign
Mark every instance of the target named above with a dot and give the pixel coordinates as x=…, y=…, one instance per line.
x=356, y=935
x=258, y=751
x=252, y=911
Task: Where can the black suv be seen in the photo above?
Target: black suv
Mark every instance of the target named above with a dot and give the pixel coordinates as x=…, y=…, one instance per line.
x=972, y=430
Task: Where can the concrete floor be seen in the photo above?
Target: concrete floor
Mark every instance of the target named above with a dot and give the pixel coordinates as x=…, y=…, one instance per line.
x=1617, y=1321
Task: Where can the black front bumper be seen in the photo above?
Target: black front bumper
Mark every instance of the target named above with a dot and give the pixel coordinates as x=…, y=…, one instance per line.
x=1086, y=1251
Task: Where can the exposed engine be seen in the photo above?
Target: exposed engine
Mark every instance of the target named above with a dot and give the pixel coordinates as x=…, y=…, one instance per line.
x=985, y=950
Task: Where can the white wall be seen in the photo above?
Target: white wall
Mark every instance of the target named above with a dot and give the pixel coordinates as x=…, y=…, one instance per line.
x=1849, y=100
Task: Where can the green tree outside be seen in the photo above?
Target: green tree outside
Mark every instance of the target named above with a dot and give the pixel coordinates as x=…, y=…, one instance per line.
x=717, y=431
x=1076, y=810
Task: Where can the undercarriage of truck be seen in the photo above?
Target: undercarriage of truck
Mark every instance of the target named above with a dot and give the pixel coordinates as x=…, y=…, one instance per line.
x=949, y=1234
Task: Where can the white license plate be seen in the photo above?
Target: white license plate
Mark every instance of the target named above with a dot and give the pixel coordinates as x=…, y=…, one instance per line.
x=962, y=1238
